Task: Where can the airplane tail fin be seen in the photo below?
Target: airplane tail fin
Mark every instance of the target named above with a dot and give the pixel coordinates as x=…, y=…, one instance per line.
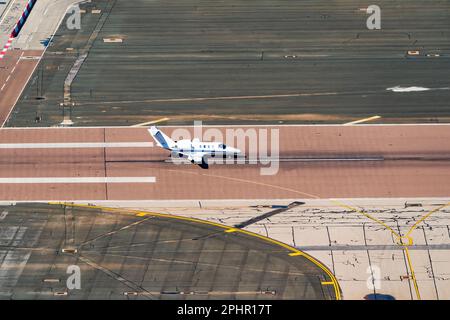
x=161, y=139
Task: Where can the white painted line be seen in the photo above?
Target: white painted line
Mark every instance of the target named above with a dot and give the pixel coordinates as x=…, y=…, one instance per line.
x=5, y=13
x=362, y=120
x=269, y=126
x=329, y=159
x=183, y=202
x=414, y=89
x=55, y=180
x=70, y=145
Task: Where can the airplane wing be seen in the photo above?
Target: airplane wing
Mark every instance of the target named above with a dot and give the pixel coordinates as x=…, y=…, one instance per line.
x=197, y=158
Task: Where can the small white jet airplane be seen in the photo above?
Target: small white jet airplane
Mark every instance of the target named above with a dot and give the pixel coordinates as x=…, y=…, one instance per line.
x=195, y=151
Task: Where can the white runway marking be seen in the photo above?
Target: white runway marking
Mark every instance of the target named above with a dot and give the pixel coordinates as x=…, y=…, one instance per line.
x=71, y=145
x=56, y=180
x=3, y=215
x=413, y=89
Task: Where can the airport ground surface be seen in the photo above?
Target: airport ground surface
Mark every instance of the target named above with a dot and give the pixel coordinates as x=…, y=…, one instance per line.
x=19, y=63
x=357, y=239
x=130, y=255
x=287, y=61
x=234, y=62
x=314, y=162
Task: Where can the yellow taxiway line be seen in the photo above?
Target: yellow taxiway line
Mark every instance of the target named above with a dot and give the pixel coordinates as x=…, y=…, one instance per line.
x=362, y=120
x=293, y=251
x=399, y=237
x=426, y=216
x=413, y=274
x=150, y=122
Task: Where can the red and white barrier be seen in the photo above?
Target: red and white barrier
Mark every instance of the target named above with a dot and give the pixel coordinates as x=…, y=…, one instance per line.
x=18, y=26
x=6, y=47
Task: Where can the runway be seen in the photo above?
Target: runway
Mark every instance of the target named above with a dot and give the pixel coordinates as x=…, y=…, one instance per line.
x=399, y=161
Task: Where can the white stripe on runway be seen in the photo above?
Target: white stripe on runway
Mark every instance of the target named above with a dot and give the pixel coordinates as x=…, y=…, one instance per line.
x=72, y=145
x=52, y=180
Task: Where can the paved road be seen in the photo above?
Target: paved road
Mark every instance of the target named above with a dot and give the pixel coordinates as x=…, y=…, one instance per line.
x=16, y=68
x=234, y=62
x=348, y=235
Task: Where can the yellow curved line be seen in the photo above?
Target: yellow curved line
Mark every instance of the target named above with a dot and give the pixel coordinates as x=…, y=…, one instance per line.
x=368, y=216
x=426, y=216
x=294, y=251
x=399, y=237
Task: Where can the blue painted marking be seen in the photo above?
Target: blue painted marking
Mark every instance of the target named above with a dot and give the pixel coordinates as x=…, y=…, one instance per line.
x=161, y=140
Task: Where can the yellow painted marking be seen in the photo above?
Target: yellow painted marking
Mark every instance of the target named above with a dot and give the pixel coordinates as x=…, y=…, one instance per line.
x=426, y=216
x=401, y=241
x=150, y=122
x=252, y=234
x=272, y=96
x=413, y=275
x=362, y=120
x=231, y=230
x=368, y=216
x=141, y=214
x=325, y=283
x=294, y=254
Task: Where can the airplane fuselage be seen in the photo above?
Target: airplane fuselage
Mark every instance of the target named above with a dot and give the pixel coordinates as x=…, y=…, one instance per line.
x=195, y=151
